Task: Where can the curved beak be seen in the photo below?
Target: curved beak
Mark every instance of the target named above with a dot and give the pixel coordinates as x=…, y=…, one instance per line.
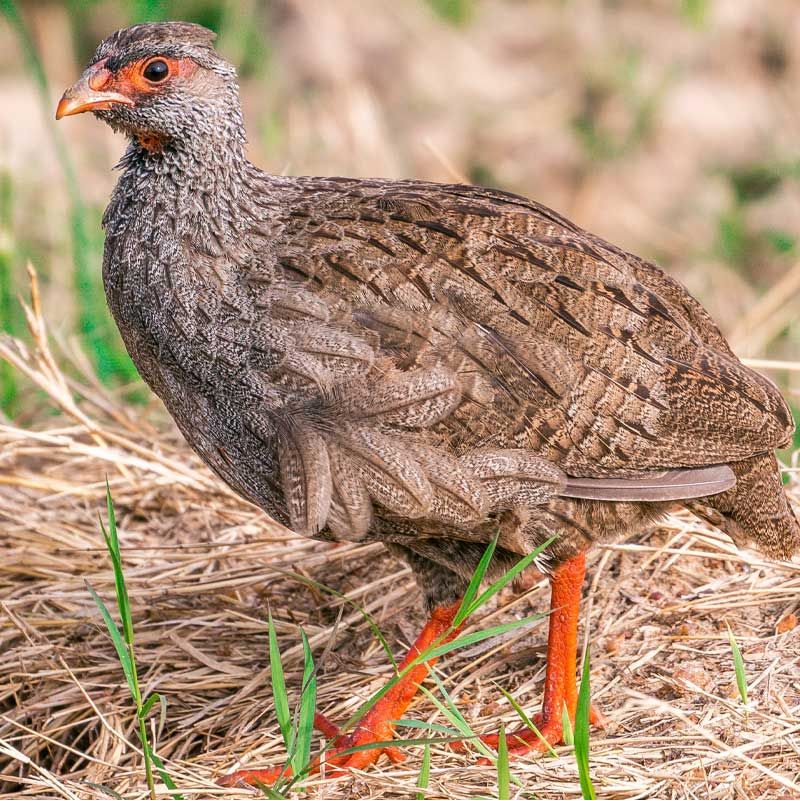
x=88, y=95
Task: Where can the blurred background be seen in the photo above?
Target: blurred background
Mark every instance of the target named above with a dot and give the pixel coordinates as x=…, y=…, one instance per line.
x=670, y=127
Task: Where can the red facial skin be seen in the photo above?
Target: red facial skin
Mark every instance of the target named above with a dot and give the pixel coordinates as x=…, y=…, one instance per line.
x=100, y=89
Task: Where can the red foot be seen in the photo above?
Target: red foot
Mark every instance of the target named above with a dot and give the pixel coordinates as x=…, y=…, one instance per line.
x=361, y=735
x=253, y=778
x=525, y=741
x=376, y=726
x=371, y=729
x=560, y=689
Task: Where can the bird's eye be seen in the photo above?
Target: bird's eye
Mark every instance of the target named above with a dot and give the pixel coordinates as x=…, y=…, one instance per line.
x=156, y=70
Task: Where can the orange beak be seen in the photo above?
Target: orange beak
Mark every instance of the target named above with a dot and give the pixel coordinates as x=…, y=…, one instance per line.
x=89, y=94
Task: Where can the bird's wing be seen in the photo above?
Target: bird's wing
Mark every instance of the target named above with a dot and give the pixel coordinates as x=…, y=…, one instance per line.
x=441, y=321
x=660, y=485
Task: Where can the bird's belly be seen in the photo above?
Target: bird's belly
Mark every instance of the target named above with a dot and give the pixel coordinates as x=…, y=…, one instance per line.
x=563, y=528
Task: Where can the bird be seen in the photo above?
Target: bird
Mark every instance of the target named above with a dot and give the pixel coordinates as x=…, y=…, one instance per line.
x=435, y=367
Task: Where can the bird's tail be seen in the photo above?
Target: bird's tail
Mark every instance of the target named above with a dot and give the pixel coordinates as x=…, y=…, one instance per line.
x=756, y=511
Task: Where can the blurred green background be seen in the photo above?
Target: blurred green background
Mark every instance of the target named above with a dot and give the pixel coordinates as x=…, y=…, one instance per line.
x=670, y=127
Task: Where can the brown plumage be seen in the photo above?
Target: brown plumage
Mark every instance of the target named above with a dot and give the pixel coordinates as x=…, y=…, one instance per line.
x=425, y=365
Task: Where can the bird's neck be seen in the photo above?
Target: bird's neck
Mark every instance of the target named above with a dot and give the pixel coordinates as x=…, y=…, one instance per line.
x=175, y=234
x=196, y=186
x=211, y=159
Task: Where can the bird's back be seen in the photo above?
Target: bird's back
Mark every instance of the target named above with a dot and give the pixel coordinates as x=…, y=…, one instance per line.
x=542, y=337
x=563, y=343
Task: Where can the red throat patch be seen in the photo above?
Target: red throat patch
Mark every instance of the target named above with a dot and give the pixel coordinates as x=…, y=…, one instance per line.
x=151, y=143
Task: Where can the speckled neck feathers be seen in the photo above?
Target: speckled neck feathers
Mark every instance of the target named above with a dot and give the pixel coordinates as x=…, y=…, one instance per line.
x=198, y=180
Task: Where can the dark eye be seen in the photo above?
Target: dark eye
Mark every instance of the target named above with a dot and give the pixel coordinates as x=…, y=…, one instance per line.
x=156, y=70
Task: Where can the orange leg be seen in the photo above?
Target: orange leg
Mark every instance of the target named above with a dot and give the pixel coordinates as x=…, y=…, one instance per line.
x=376, y=725
x=560, y=688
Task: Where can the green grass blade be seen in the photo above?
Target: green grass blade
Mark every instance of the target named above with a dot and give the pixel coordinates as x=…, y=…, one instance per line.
x=510, y=575
x=148, y=705
x=434, y=652
x=582, y=732
x=452, y=713
x=116, y=637
x=526, y=720
x=738, y=665
x=308, y=705
x=457, y=720
x=424, y=773
x=566, y=726
x=423, y=724
x=411, y=742
x=467, y=607
x=162, y=772
x=298, y=756
x=450, y=710
x=479, y=636
x=503, y=773
x=373, y=699
x=124, y=645
x=267, y=791
x=112, y=540
x=280, y=697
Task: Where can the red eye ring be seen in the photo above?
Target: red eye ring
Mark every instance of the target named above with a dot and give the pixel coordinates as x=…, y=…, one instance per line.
x=156, y=70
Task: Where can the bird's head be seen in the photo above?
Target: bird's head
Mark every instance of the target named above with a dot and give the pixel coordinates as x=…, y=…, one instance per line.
x=159, y=83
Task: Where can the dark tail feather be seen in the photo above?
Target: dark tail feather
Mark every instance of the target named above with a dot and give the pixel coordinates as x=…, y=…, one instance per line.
x=666, y=485
x=756, y=511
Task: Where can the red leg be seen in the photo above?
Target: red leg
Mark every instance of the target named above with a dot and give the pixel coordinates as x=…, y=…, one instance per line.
x=376, y=725
x=560, y=688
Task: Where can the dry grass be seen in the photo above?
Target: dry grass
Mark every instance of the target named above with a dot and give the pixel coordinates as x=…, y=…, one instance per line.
x=203, y=566
x=400, y=92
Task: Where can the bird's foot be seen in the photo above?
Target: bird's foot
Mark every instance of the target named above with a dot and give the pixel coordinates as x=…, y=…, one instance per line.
x=377, y=726
x=254, y=778
x=549, y=733
x=374, y=728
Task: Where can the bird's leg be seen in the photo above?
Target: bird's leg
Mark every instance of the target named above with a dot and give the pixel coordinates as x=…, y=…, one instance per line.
x=560, y=689
x=377, y=724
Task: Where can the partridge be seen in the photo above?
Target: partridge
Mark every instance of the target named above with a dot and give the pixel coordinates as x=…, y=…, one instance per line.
x=434, y=367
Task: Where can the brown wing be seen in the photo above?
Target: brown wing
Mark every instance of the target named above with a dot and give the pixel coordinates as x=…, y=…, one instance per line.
x=423, y=323
x=573, y=347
